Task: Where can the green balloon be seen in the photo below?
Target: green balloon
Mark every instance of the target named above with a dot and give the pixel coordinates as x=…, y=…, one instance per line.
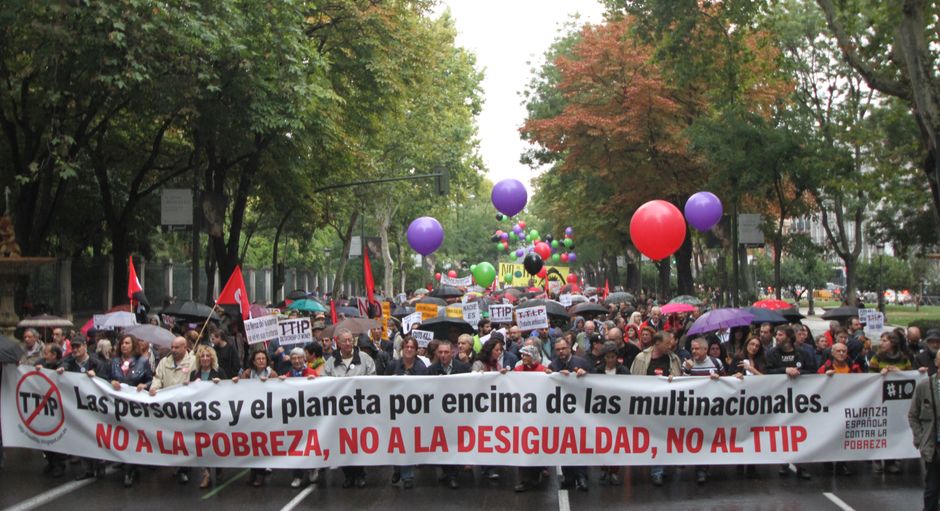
x=556, y=258
x=568, y=242
x=554, y=243
x=528, y=237
x=484, y=273
x=472, y=267
x=499, y=245
x=507, y=278
x=535, y=234
x=512, y=236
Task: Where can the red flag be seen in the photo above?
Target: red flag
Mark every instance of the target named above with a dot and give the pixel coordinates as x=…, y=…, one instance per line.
x=333, y=317
x=133, y=283
x=606, y=288
x=235, y=292
x=367, y=275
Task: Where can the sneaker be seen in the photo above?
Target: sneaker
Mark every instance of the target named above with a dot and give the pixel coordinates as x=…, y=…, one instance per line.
x=891, y=467
x=182, y=477
x=657, y=479
x=701, y=477
x=128, y=480
x=360, y=482
x=408, y=484
x=613, y=479
x=491, y=474
x=843, y=469
x=804, y=474
x=453, y=484
x=396, y=475
x=522, y=487
x=876, y=467
x=295, y=483
x=314, y=476
x=784, y=470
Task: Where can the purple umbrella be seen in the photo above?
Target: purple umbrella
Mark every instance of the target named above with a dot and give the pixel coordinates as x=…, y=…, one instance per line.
x=719, y=319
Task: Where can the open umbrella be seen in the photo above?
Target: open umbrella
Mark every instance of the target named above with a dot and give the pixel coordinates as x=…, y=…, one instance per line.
x=672, y=308
x=297, y=294
x=552, y=307
x=792, y=314
x=618, y=297
x=44, y=321
x=841, y=313
x=256, y=310
x=355, y=325
x=307, y=305
x=402, y=311
x=762, y=315
x=152, y=334
x=588, y=309
x=443, y=327
x=433, y=299
x=420, y=291
x=349, y=312
x=191, y=310
x=719, y=319
x=10, y=350
x=119, y=319
x=687, y=299
x=446, y=292
x=773, y=304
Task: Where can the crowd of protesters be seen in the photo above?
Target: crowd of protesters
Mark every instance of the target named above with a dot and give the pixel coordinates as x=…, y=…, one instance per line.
x=632, y=338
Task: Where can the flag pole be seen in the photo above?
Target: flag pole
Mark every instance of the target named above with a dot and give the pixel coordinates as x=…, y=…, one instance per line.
x=208, y=318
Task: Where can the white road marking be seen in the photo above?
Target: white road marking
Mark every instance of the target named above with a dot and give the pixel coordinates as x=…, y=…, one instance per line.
x=50, y=495
x=563, y=504
x=838, y=502
x=299, y=498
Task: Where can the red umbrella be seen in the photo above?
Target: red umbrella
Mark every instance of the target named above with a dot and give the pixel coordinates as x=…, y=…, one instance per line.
x=672, y=308
x=773, y=305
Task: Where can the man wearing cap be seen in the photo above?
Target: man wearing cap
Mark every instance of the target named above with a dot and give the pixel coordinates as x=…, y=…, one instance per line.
x=924, y=360
x=923, y=418
x=83, y=361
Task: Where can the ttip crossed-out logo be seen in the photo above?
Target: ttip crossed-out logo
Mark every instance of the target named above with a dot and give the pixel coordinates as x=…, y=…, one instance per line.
x=39, y=404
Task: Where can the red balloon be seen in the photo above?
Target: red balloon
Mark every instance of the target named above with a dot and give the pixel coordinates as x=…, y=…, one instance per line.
x=564, y=258
x=542, y=273
x=543, y=250
x=437, y=276
x=657, y=229
x=521, y=224
x=572, y=278
x=452, y=274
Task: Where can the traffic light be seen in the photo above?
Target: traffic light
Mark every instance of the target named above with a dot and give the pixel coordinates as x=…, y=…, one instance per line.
x=442, y=181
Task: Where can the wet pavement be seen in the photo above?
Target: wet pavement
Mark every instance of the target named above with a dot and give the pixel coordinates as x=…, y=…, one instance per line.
x=727, y=489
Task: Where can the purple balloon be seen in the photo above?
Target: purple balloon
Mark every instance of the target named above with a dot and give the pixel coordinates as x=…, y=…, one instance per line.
x=504, y=236
x=568, y=231
x=703, y=210
x=425, y=235
x=520, y=252
x=509, y=196
x=572, y=257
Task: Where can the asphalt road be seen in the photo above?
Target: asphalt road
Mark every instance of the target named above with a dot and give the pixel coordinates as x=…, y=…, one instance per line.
x=22, y=487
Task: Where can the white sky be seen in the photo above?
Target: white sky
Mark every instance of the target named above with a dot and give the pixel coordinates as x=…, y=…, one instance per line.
x=509, y=37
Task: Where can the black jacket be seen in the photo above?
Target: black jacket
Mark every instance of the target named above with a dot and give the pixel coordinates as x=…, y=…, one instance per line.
x=778, y=361
x=572, y=365
x=228, y=359
x=621, y=369
x=397, y=368
x=94, y=364
x=215, y=373
x=457, y=367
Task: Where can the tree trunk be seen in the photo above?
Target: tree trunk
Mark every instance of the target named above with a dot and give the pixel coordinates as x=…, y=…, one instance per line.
x=119, y=253
x=851, y=279
x=385, y=218
x=346, y=238
x=665, y=271
x=778, y=250
x=633, y=276
x=685, y=282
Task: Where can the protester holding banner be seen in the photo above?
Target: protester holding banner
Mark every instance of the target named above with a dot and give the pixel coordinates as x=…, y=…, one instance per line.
x=658, y=360
x=130, y=369
x=924, y=360
x=225, y=351
x=889, y=356
x=465, y=352
x=408, y=365
x=348, y=361
x=565, y=362
x=531, y=360
x=207, y=369
x=314, y=356
x=838, y=362
x=33, y=347
x=260, y=367
x=924, y=420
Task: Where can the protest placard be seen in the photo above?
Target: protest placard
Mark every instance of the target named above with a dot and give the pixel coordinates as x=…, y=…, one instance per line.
x=410, y=321
x=427, y=310
x=294, y=331
x=471, y=313
x=532, y=318
x=501, y=313
x=261, y=329
x=565, y=299
x=454, y=312
x=456, y=281
x=423, y=337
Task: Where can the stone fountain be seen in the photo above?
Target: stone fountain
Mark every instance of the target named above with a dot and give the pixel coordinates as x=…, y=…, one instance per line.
x=12, y=266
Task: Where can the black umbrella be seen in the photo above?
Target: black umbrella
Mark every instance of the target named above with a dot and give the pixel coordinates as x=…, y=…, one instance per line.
x=350, y=312
x=446, y=292
x=841, y=313
x=588, y=309
x=433, y=299
x=446, y=328
x=552, y=307
x=402, y=311
x=297, y=294
x=762, y=315
x=792, y=314
x=190, y=309
x=10, y=350
x=618, y=297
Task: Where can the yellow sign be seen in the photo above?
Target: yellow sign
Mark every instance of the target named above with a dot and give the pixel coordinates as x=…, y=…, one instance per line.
x=427, y=310
x=386, y=315
x=454, y=312
x=521, y=278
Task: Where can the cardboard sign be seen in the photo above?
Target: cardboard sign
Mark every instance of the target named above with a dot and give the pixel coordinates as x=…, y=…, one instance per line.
x=295, y=331
x=532, y=318
x=471, y=313
x=410, y=321
x=565, y=299
x=401, y=298
x=423, y=337
x=427, y=310
x=261, y=329
x=454, y=312
x=386, y=315
x=501, y=313
x=521, y=278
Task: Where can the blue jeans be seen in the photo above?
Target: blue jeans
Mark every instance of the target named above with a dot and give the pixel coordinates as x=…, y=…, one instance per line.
x=657, y=471
x=932, y=483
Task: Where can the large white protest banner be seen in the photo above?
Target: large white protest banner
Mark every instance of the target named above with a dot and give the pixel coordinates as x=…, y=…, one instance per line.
x=531, y=318
x=457, y=281
x=294, y=331
x=261, y=329
x=501, y=313
x=517, y=419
